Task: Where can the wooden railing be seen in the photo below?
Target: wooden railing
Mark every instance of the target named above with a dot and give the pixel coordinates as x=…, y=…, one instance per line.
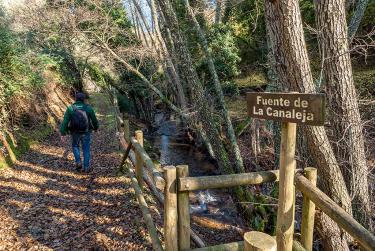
x=172, y=187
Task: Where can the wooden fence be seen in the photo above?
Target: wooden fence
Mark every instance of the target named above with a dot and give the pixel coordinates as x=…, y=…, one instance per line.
x=172, y=185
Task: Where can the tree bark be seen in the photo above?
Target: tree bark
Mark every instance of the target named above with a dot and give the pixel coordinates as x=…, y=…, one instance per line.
x=140, y=29
x=172, y=69
x=342, y=99
x=201, y=107
x=132, y=16
x=356, y=19
x=162, y=52
x=283, y=18
x=148, y=29
x=219, y=92
x=218, y=11
x=273, y=86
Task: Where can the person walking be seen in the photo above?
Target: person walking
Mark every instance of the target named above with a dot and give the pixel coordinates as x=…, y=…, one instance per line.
x=79, y=121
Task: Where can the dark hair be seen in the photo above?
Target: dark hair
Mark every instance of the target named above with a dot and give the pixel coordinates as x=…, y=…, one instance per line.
x=80, y=96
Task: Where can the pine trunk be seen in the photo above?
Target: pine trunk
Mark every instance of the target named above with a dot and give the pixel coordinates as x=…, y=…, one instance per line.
x=201, y=108
x=342, y=99
x=283, y=18
x=234, y=148
x=357, y=17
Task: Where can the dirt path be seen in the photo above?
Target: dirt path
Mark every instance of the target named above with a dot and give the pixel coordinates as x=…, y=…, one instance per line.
x=46, y=205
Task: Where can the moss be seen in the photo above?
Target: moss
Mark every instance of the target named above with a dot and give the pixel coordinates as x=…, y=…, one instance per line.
x=24, y=141
x=5, y=162
x=254, y=79
x=237, y=107
x=364, y=80
x=29, y=138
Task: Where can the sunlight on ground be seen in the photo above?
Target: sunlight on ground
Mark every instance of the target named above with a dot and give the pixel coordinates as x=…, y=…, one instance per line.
x=52, y=207
x=21, y=204
x=111, y=191
x=22, y=187
x=59, y=194
x=67, y=213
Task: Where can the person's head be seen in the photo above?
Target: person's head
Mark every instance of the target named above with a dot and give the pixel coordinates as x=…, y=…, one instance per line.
x=80, y=96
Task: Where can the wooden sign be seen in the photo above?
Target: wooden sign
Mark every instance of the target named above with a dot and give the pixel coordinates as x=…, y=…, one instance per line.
x=299, y=108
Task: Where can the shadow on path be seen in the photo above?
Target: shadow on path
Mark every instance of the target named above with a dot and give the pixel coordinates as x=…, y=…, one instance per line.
x=46, y=205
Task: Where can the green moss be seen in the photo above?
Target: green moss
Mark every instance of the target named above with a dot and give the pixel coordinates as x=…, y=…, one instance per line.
x=252, y=80
x=364, y=80
x=40, y=133
x=5, y=162
x=237, y=107
x=24, y=141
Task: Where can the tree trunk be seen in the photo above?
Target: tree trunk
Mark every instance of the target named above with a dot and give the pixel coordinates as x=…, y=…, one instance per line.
x=167, y=48
x=201, y=108
x=343, y=104
x=162, y=52
x=8, y=148
x=283, y=18
x=140, y=29
x=273, y=86
x=218, y=11
x=359, y=11
x=148, y=29
x=219, y=92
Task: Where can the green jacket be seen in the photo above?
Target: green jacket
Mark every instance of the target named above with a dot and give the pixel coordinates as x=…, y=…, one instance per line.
x=64, y=129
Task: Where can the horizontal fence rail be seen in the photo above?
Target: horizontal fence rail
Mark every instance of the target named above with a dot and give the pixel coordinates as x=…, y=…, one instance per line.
x=151, y=176
x=342, y=218
x=172, y=191
x=224, y=181
x=239, y=246
x=147, y=161
x=156, y=244
x=234, y=246
x=230, y=180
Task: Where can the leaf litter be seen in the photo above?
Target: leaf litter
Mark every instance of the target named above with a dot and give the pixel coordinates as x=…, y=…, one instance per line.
x=46, y=205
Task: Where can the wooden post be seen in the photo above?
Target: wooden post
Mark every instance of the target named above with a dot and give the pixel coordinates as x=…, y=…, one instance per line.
x=285, y=213
x=258, y=241
x=126, y=127
x=147, y=216
x=308, y=212
x=139, y=162
x=183, y=212
x=344, y=220
x=170, y=209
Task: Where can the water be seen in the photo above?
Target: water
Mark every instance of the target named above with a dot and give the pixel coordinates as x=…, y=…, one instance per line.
x=215, y=205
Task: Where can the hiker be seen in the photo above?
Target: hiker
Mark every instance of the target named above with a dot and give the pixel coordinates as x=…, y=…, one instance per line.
x=79, y=121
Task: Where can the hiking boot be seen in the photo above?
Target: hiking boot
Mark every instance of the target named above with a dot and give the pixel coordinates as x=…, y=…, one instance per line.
x=87, y=170
x=78, y=167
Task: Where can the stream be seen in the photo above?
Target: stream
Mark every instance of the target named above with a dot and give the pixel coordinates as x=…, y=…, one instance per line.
x=212, y=211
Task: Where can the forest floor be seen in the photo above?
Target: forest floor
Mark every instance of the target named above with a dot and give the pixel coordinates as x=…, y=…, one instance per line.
x=46, y=205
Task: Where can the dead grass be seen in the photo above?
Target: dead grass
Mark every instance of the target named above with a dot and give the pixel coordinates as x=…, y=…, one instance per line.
x=253, y=79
